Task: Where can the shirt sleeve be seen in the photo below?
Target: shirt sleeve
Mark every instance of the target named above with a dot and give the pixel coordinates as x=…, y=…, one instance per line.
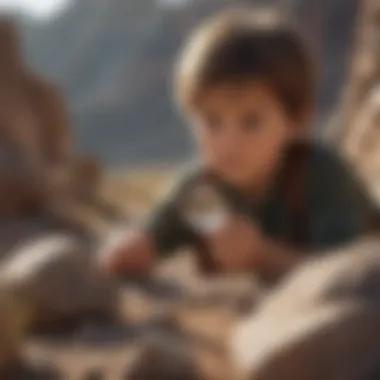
x=166, y=226
x=340, y=205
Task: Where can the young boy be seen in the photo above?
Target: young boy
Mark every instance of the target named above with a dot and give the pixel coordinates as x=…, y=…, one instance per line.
x=246, y=83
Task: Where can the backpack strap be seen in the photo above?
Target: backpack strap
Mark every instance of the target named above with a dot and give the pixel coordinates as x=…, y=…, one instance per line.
x=295, y=194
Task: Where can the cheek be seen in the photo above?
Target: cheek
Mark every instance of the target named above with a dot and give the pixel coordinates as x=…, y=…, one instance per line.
x=263, y=149
x=274, y=138
x=212, y=144
x=207, y=146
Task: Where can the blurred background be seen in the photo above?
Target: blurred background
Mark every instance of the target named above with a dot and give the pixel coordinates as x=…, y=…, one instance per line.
x=112, y=60
x=101, y=70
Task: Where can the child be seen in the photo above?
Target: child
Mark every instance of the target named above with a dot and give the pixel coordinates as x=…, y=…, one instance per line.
x=246, y=83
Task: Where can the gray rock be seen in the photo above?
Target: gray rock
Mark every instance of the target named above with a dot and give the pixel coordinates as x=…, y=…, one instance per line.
x=162, y=361
x=55, y=278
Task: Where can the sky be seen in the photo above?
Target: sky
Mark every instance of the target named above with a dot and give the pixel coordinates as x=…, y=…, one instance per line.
x=47, y=8
x=34, y=8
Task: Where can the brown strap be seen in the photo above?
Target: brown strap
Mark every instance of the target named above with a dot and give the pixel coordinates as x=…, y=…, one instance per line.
x=295, y=194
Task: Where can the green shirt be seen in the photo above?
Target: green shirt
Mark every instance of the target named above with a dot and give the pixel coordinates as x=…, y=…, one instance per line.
x=337, y=205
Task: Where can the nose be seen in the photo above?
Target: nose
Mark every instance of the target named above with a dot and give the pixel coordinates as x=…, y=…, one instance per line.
x=229, y=142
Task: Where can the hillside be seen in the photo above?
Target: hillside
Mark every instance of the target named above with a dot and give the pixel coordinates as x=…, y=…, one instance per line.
x=113, y=60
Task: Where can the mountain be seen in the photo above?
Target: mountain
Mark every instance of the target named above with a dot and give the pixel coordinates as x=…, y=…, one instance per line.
x=113, y=60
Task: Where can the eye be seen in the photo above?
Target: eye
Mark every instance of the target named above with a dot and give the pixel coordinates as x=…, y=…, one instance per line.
x=251, y=122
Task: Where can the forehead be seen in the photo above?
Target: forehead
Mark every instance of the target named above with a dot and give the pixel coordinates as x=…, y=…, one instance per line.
x=228, y=95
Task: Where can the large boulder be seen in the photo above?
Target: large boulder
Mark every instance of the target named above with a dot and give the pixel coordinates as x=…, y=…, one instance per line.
x=323, y=323
x=363, y=79
x=55, y=279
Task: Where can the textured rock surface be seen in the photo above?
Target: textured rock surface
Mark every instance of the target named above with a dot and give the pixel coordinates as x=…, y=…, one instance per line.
x=55, y=278
x=323, y=323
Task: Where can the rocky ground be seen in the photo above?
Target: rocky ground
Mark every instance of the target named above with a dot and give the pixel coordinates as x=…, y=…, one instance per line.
x=187, y=315
x=177, y=324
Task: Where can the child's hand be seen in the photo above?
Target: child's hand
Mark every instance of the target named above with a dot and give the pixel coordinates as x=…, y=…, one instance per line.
x=133, y=254
x=237, y=246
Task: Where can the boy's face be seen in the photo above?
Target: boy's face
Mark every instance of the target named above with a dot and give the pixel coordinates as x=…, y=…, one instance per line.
x=242, y=131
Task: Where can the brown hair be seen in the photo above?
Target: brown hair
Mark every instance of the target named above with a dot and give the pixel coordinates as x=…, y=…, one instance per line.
x=242, y=46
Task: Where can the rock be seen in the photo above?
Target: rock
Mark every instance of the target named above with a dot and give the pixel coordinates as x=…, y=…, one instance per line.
x=363, y=144
x=323, y=323
x=31, y=370
x=55, y=279
x=363, y=74
x=162, y=361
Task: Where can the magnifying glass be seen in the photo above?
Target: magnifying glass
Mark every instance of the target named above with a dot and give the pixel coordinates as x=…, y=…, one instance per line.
x=204, y=209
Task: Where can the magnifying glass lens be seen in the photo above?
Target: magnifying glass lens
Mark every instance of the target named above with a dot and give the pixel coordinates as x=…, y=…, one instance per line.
x=205, y=209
